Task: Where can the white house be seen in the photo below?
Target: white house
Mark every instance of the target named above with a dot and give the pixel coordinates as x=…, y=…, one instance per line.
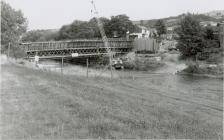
x=144, y=33
x=206, y=23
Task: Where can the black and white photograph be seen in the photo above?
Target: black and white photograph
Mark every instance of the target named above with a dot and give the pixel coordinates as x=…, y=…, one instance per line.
x=111, y=69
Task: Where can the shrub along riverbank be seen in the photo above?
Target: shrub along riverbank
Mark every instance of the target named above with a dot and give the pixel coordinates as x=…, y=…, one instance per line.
x=203, y=69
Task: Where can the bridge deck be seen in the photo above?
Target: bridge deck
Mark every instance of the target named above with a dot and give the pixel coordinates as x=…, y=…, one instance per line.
x=82, y=47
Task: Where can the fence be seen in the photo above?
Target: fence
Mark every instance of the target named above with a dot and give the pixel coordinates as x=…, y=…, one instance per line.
x=146, y=45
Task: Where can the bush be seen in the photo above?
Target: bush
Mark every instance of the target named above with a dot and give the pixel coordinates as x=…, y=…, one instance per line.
x=193, y=67
x=17, y=52
x=129, y=65
x=143, y=64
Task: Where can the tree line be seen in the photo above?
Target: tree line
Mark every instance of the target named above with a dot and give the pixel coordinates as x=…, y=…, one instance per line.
x=116, y=26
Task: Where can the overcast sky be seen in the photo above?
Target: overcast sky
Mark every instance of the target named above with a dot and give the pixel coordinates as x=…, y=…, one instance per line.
x=52, y=14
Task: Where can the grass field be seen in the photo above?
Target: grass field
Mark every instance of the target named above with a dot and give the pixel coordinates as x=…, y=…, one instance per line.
x=43, y=105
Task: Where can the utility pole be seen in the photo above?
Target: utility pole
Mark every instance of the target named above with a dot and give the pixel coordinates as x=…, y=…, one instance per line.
x=87, y=66
x=62, y=64
x=8, y=50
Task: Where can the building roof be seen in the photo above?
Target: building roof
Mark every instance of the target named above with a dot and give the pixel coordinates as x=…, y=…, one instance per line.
x=143, y=27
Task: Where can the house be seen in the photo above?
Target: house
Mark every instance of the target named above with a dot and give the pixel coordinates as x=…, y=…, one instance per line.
x=170, y=35
x=207, y=23
x=171, y=29
x=143, y=33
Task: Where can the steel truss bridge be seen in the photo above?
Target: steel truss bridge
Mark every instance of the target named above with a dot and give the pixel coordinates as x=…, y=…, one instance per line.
x=82, y=48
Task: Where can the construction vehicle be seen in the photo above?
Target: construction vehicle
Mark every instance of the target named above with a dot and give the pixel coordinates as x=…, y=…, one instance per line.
x=117, y=63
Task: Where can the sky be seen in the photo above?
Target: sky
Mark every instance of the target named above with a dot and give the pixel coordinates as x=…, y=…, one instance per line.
x=52, y=14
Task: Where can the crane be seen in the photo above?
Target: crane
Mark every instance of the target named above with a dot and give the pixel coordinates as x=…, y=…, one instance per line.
x=103, y=35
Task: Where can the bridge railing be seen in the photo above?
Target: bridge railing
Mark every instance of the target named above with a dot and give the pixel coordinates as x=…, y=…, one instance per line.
x=74, y=44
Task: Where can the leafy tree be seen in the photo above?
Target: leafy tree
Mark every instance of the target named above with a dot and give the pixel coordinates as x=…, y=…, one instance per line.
x=160, y=27
x=93, y=24
x=31, y=36
x=190, y=40
x=76, y=30
x=13, y=25
x=81, y=29
x=141, y=22
x=209, y=33
x=39, y=35
x=120, y=24
x=212, y=44
x=64, y=33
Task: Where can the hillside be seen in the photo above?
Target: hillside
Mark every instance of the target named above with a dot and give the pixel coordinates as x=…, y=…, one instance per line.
x=215, y=16
x=218, y=14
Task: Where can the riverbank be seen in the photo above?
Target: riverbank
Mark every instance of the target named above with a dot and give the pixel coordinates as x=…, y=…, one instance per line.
x=200, y=75
x=203, y=70
x=40, y=104
x=168, y=64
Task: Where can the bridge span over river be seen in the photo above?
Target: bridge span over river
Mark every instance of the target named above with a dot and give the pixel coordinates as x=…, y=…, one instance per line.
x=77, y=48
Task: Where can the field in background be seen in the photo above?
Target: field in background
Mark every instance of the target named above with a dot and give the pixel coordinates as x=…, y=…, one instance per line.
x=43, y=105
